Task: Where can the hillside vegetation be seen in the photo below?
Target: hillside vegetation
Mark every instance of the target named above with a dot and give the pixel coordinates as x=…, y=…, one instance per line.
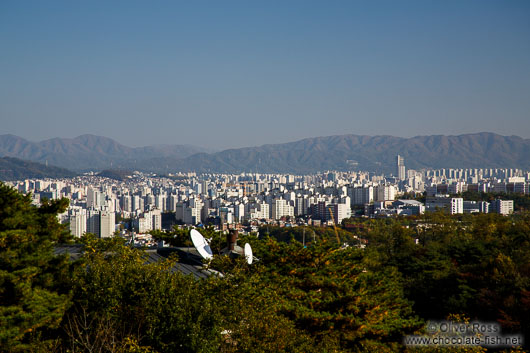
x=17, y=169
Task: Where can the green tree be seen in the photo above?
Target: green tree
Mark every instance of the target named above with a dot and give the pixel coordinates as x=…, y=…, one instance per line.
x=120, y=297
x=331, y=296
x=33, y=293
x=174, y=237
x=474, y=265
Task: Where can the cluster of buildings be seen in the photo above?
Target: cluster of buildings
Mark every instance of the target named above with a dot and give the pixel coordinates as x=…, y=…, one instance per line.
x=456, y=205
x=148, y=202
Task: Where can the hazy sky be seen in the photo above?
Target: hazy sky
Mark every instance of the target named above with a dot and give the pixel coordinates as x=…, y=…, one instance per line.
x=240, y=73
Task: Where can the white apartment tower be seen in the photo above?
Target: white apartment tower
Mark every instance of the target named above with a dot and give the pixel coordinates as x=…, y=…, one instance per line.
x=340, y=211
x=384, y=192
x=400, y=167
x=282, y=208
x=78, y=222
x=92, y=222
x=361, y=195
x=107, y=223
x=101, y=223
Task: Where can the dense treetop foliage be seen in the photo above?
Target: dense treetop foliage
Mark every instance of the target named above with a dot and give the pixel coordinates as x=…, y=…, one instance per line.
x=33, y=292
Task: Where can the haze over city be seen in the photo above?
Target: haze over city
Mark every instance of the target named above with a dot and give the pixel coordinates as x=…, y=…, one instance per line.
x=238, y=73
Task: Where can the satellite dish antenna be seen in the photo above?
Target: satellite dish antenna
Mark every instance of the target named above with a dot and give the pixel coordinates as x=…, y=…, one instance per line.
x=201, y=245
x=248, y=253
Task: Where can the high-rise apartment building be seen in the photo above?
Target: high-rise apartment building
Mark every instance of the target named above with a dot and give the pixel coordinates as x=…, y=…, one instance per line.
x=78, y=222
x=107, y=224
x=384, y=192
x=101, y=223
x=361, y=195
x=281, y=208
x=92, y=222
x=400, y=167
x=259, y=211
x=340, y=211
x=93, y=198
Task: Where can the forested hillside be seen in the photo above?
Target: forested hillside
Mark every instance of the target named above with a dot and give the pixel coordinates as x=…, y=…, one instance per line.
x=17, y=169
x=310, y=155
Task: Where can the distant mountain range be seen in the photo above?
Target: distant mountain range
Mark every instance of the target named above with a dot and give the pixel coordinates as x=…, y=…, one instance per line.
x=90, y=152
x=344, y=152
x=17, y=169
x=372, y=153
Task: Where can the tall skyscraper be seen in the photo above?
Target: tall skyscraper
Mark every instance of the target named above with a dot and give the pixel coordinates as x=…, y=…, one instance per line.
x=400, y=167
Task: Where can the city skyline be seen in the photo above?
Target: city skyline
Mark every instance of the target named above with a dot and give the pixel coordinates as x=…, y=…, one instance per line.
x=257, y=198
x=243, y=74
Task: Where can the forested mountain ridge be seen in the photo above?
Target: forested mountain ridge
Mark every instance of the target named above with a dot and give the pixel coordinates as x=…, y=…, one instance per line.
x=89, y=152
x=342, y=152
x=372, y=153
x=17, y=169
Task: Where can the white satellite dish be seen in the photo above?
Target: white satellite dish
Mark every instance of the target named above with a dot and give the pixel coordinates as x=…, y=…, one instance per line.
x=248, y=253
x=201, y=245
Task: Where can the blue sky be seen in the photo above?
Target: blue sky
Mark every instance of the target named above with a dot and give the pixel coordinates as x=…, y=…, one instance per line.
x=239, y=73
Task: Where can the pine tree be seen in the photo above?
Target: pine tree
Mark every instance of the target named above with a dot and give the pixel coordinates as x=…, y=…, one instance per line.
x=33, y=297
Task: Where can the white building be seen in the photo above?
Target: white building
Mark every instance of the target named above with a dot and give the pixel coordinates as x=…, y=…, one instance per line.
x=385, y=193
x=78, y=222
x=101, y=223
x=476, y=207
x=503, y=207
x=107, y=224
x=259, y=211
x=400, y=167
x=361, y=195
x=281, y=208
x=92, y=222
x=93, y=198
x=192, y=215
x=452, y=205
x=340, y=212
x=239, y=212
x=150, y=220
